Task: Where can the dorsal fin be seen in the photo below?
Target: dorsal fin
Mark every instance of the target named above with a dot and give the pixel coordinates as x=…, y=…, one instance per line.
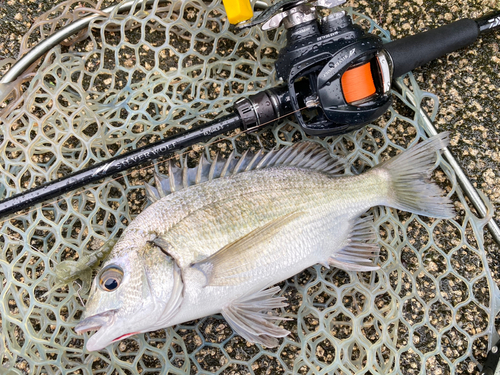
x=185, y=171
x=240, y=162
x=306, y=155
x=225, y=168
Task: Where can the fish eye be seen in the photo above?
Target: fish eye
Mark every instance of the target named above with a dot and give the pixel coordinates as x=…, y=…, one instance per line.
x=110, y=278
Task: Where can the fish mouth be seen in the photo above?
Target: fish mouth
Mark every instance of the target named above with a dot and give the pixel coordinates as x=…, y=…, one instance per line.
x=95, y=322
x=103, y=324
x=106, y=332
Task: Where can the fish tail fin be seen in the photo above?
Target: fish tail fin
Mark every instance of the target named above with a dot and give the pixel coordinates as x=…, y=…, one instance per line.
x=408, y=174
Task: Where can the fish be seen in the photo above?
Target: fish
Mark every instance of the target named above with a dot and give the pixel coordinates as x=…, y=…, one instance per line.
x=217, y=237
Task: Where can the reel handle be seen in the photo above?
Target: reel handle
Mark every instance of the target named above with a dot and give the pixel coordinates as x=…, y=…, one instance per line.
x=416, y=50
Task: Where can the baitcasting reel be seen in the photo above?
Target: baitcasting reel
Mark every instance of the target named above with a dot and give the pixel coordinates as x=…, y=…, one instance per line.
x=337, y=76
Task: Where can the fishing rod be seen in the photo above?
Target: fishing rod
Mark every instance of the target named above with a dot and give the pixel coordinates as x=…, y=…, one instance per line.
x=336, y=79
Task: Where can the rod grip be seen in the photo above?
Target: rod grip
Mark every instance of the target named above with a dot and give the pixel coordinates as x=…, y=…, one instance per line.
x=416, y=50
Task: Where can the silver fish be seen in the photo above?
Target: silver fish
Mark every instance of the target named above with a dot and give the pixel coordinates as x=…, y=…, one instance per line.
x=232, y=228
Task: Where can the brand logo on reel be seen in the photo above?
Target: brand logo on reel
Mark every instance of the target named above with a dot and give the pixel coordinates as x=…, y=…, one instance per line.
x=340, y=61
x=351, y=52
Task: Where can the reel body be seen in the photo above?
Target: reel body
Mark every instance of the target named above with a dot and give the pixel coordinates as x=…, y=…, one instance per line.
x=338, y=77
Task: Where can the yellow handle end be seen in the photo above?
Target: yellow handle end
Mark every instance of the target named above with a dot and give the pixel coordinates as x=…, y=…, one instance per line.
x=238, y=10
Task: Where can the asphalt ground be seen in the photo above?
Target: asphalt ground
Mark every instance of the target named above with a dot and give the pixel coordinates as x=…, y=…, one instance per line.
x=466, y=82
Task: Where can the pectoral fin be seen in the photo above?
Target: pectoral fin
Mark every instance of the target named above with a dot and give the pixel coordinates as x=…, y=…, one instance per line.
x=250, y=317
x=229, y=265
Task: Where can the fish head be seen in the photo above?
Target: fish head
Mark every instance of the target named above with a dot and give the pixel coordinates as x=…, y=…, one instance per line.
x=138, y=290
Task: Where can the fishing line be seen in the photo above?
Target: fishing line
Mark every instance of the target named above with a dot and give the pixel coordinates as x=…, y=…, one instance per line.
x=78, y=292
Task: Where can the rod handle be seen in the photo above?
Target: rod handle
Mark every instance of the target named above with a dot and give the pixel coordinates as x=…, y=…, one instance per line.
x=417, y=50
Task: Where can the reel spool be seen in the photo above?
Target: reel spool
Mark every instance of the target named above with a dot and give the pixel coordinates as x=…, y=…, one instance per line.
x=358, y=85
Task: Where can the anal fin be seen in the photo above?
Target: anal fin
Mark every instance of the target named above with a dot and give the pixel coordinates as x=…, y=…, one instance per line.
x=361, y=250
x=250, y=317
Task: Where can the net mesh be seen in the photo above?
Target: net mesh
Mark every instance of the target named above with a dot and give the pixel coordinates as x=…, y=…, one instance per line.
x=134, y=78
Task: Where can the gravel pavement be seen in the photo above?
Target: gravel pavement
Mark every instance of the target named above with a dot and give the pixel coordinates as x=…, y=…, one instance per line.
x=467, y=82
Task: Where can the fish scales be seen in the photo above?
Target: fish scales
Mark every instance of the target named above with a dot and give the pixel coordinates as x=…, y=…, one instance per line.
x=214, y=209
x=216, y=244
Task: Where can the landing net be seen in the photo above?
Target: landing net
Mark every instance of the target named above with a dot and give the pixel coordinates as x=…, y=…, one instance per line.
x=134, y=78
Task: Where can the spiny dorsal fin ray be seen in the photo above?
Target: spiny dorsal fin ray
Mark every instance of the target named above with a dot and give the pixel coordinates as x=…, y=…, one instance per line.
x=306, y=155
x=252, y=162
x=240, y=162
x=185, y=171
x=172, y=180
x=211, y=173
x=161, y=192
x=151, y=193
x=199, y=170
x=263, y=162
